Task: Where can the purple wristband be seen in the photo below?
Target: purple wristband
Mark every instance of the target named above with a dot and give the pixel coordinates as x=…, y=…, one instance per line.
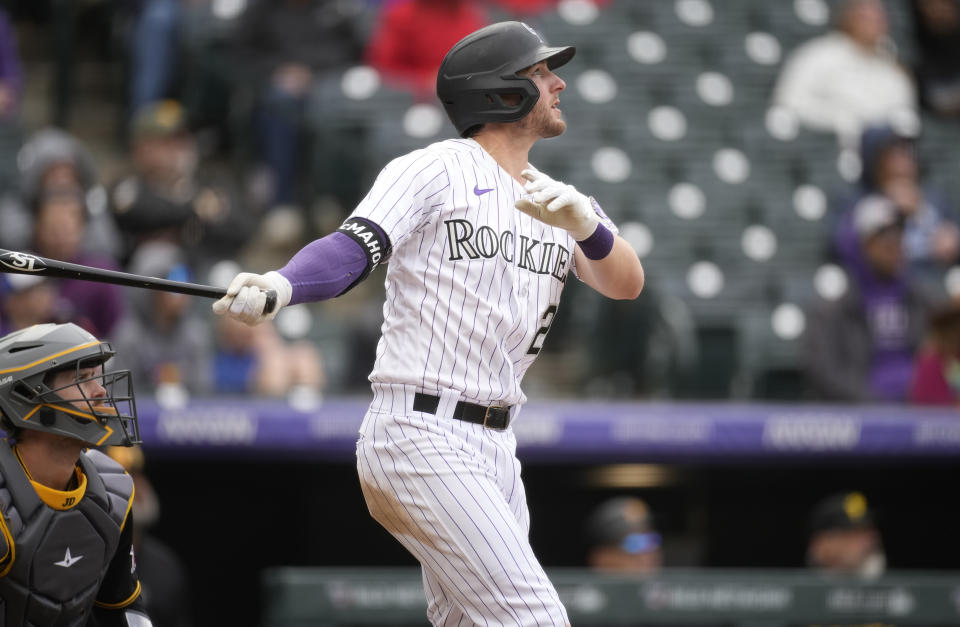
x=598, y=245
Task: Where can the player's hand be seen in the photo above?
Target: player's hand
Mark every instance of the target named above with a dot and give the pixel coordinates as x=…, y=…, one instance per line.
x=557, y=204
x=246, y=297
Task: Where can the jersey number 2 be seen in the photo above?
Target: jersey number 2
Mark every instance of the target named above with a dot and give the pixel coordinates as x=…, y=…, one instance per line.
x=541, y=335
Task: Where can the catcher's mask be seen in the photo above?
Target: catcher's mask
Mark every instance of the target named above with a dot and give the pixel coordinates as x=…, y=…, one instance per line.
x=52, y=380
x=481, y=69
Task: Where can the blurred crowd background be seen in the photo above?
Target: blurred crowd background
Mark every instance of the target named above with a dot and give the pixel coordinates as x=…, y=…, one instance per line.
x=757, y=155
x=787, y=171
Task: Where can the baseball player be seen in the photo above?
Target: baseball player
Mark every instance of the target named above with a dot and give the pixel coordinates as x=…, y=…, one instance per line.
x=480, y=244
x=66, y=557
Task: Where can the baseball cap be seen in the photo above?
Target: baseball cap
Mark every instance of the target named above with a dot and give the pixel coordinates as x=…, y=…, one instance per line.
x=845, y=510
x=164, y=118
x=874, y=214
x=625, y=522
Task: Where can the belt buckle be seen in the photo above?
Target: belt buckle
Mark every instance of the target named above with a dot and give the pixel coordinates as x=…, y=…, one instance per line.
x=486, y=416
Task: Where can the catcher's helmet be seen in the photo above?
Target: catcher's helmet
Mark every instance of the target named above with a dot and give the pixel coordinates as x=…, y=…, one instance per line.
x=482, y=67
x=27, y=400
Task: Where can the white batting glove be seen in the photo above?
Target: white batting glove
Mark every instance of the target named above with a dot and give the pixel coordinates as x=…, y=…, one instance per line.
x=557, y=204
x=246, y=297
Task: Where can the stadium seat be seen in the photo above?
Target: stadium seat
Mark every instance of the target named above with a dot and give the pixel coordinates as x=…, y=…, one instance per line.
x=768, y=345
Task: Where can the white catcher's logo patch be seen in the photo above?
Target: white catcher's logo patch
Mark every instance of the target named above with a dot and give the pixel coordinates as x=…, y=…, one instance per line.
x=68, y=560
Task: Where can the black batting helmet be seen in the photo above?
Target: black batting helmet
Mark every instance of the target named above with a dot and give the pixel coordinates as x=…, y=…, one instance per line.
x=482, y=67
x=27, y=400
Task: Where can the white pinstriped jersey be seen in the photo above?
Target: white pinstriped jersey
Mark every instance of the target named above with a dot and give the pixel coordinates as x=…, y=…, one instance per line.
x=472, y=283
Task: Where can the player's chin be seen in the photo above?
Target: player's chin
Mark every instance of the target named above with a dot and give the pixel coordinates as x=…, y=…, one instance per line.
x=554, y=128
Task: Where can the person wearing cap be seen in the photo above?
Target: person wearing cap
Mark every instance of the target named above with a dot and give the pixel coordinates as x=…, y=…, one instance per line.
x=26, y=299
x=890, y=169
x=170, y=194
x=844, y=539
x=622, y=537
x=167, y=345
x=53, y=159
x=859, y=346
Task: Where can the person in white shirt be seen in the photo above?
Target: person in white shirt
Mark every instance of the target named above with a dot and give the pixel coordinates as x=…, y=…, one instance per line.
x=847, y=79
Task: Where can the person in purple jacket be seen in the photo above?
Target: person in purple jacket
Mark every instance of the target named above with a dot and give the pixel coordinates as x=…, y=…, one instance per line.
x=891, y=170
x=859, y=347
x=60, y=219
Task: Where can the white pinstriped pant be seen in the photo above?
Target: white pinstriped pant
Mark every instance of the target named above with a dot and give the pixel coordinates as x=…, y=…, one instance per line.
x=450, y=492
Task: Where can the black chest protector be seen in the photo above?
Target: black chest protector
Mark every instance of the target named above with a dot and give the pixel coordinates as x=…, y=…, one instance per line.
x=60, y=557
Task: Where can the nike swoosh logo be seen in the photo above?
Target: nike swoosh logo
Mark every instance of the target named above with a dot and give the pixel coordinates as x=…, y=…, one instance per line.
x=68, y=560
x=481, y=192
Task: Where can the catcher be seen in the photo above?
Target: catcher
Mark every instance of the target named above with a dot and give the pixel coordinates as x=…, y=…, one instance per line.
x=66, y=556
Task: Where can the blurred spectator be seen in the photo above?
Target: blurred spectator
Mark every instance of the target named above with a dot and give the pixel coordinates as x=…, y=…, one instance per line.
x=165, y=345
x=404, y=56
x=171, y=196
x=153, y=51
x=860, y=346
x=26, y=299
x=289, y=44
x=936, y=31
x=60, y=216
x=622, y=537
x=890, y=170
x=166, y=590
x=847, y=78
x=52, y=158
x=257, y=361
x=11, y=71
x=936, y=372
x=844, y=539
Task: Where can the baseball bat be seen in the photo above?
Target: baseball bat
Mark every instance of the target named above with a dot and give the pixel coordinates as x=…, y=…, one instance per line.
x=25, y=263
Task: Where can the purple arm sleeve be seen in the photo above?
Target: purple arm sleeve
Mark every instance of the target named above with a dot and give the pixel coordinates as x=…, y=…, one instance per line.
x=325, y=268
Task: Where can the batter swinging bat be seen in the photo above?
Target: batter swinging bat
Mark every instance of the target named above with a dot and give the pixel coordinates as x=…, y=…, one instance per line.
x=25, y=263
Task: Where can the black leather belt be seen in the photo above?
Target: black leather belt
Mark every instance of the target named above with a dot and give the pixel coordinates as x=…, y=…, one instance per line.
x=493, y=417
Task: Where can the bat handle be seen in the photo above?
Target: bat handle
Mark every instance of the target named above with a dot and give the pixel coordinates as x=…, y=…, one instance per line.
x=271, y=303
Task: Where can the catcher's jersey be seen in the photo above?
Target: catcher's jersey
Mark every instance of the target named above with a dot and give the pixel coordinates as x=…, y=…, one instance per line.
x=472, y=283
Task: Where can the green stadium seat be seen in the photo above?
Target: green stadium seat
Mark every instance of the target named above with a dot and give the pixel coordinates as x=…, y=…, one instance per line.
x=769, y=362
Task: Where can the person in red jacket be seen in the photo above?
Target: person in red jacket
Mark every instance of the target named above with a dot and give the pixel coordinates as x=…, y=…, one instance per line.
x=412, y=36
x=936, y=370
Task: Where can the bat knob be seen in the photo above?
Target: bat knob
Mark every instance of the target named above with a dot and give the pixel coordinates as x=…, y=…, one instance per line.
x=271, y=303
